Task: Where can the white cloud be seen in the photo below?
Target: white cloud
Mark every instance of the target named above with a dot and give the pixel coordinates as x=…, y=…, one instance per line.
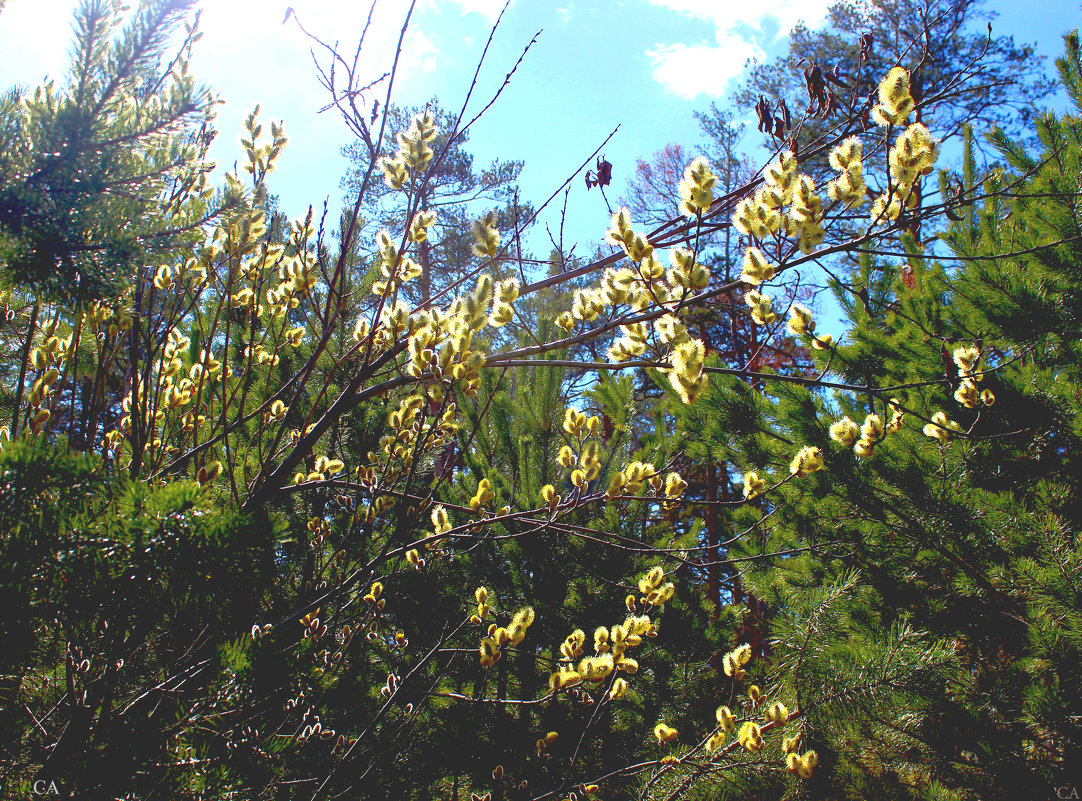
x=488, y=9
x=239, y=24
x=688, y=70
x=32, y=44
x=248, y=55
x=423, y=52
x=565, y=12
x=727, y=16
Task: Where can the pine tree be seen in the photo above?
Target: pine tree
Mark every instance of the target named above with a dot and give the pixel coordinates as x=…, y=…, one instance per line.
x=933, y=39
x=926, y=615
x=100, y=173
x=453, y=190
x=140, y=580
x=730, y=335
x=313, y=539
x=958, y=74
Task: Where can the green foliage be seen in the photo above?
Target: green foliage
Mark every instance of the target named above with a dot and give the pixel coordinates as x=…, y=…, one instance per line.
x=931, y=626
x=931, y=38
x=274, y=525
x=99, y=174
x=138, y=577
x=454, y=188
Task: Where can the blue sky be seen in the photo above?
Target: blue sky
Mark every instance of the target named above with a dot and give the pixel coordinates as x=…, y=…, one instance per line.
x=645, y=65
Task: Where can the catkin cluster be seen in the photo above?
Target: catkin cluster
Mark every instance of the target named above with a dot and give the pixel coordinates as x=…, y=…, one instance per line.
x=864, y=438
x=647, y=284
x=499, y=636
x=414, y=151
x=611, y=644
x=969, y=394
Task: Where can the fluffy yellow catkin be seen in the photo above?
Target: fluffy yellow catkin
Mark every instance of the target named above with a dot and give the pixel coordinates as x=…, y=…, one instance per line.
x=686, y=375
x=941, y=427
x=848, y=188
x=696, y=190
x=845, y=432
x=800, y=321
x=664, y=734
x=803, y=765
x=895, y=102
x=759, y=306
x=725, y=719
x=756, y=268
x=486, y=239
x=753, y=485
x=808, y=460
x=751, y=737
